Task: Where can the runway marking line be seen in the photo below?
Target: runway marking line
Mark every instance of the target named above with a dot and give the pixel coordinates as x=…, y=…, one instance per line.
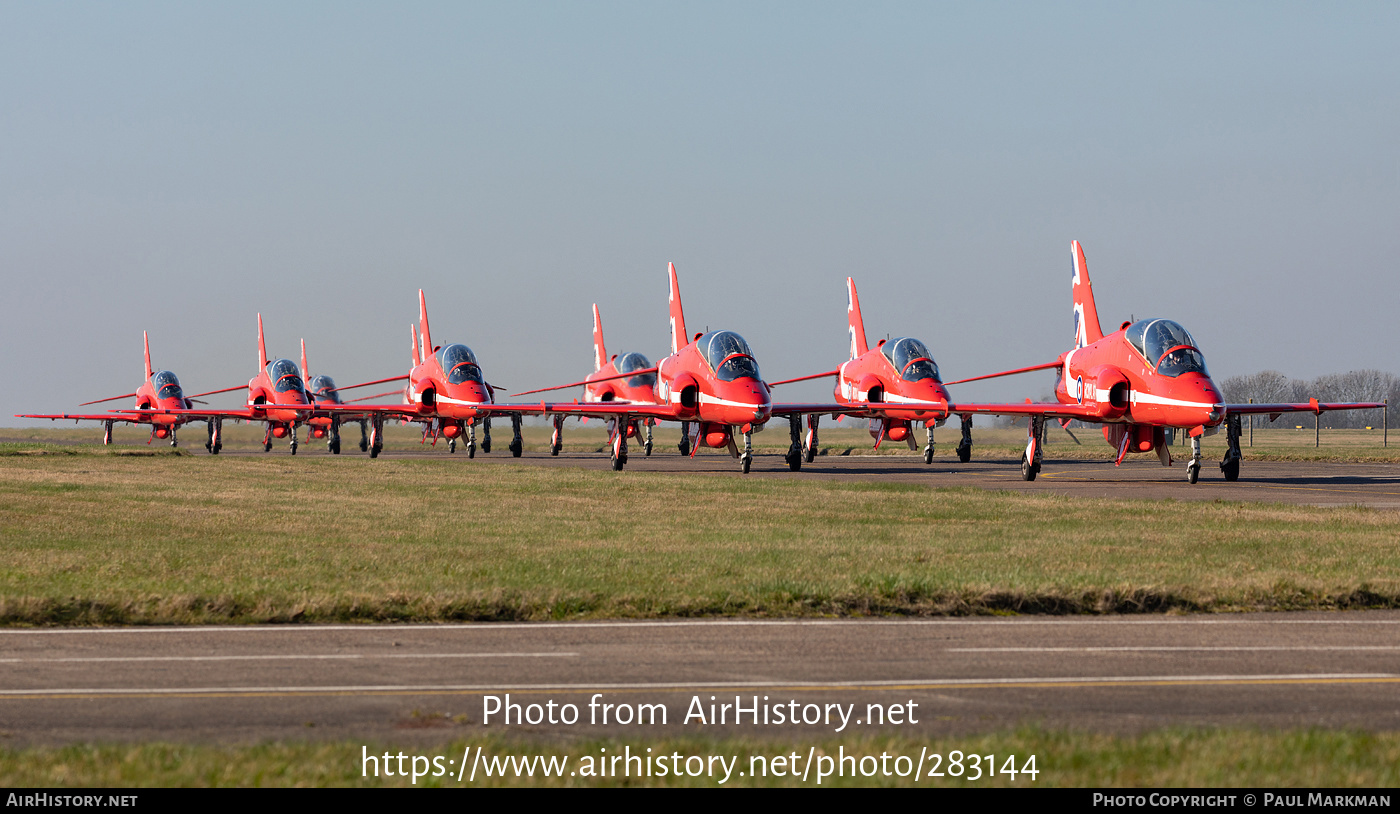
x=773, y=686
x=293, y=657
x=1174, y=649
x=1275, y=619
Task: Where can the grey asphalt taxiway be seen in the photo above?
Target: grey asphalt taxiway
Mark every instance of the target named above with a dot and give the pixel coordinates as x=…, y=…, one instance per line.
x=936, y=676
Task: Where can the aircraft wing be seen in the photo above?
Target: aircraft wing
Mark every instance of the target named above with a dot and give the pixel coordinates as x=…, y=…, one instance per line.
x=610, y=409
x=1312, y=406
x=246, y=413
x=1051, y=409
x=87, y=417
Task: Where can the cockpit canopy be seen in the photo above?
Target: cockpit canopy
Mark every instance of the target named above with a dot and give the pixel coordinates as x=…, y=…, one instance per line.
x=911, y=358
x=628, y=362
x=1167, y=347
x=286, y=377
x=166, y=386
x=323, y=388
x=459, y=364
x=729, y=355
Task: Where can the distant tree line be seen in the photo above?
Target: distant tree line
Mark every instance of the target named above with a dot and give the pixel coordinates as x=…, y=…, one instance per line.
x=1271, y=386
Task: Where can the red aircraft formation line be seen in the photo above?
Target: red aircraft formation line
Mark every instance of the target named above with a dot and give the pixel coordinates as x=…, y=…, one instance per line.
x=1140, y=382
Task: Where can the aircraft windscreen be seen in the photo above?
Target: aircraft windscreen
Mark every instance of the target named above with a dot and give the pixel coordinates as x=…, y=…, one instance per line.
x=459, y=364
x=286, y=377
x=629, y=362
x=911, y=358
x=323, y=388
x=729, y=355
x=1166, y=346
x=166, y=385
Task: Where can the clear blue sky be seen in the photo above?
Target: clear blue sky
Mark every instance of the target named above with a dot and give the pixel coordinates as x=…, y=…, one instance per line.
x=180, y=167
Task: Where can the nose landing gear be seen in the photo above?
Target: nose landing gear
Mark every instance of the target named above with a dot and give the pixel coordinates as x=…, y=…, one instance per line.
x=746, y=457
x=928, y=450
x=1193, y=469
x=292, y=435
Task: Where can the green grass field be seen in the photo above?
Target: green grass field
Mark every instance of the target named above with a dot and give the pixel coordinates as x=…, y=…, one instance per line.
x=89, y=537
x=1305, y=758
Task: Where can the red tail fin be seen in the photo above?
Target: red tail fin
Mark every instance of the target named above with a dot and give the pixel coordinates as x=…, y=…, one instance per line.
x=417, y=353
x=305, y=371
x=679, y=338
x=1086, y=314
x=147, y=341
x=600, y=351
x=423, y=331
x=262, y=346
x=858, y=346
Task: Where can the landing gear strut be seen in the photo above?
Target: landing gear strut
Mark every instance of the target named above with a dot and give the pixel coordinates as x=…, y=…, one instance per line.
x=364, y=437
x=1230, y=467
x=809, y=444
x=684, y=445
x=965, y=445
x=267, y=439
x=647, y=422
x=1193, y=469
x=485, y=437
x=928, y=450
x=106, y=433
x=1035, y=452
x=471, y=437
x=173, y=442
x=794, y=453
x=292, y=436
x=517, y=444
x=333, y=443
x=746, y=457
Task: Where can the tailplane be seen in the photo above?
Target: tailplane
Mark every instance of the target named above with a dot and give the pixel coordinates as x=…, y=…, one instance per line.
x=679, y=338
x=858, y=346
x=146, y=340
x=1086, y=314
x=600, y=351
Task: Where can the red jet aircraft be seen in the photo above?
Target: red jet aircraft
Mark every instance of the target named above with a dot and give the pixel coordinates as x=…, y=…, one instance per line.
x=160, y=402
x=447, y=392
x=1140, y=381
x=626, y=379
x=326, y=424
x=895, y=384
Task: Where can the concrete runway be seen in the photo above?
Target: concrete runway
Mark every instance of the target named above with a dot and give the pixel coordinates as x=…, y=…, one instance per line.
x=400, y=684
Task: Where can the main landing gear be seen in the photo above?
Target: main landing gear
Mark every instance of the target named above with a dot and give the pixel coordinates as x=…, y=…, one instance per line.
x=485, y=437
x=618, y=444
x=809, y=444
x=364, y=437
x=267, y=439
x=215, y=441
x=376, y=436
x=1230, y=467
x=1035, y=452
x=794, y=453
x=333, y=437
x=517, y=444
x=684, y=445
x=965, y=445
x=556, y=441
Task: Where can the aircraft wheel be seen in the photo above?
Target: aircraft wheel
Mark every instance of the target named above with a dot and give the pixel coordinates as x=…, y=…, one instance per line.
x=452, y=446
x=554, y=451
x=794, y=461
x=617, y=464
x=648, y=449
x=746, y=464
x=267, y=446
x=964, y=454
x=335, y=448
x=928, y=455
x=294, y=449
x=1193, y=473
x=1231, y=470
x=374, y=453
x=364, y=446
x=1028, y=470
x=810, y=455
x=516, y=449
x=471, y=450
x=684, y=446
